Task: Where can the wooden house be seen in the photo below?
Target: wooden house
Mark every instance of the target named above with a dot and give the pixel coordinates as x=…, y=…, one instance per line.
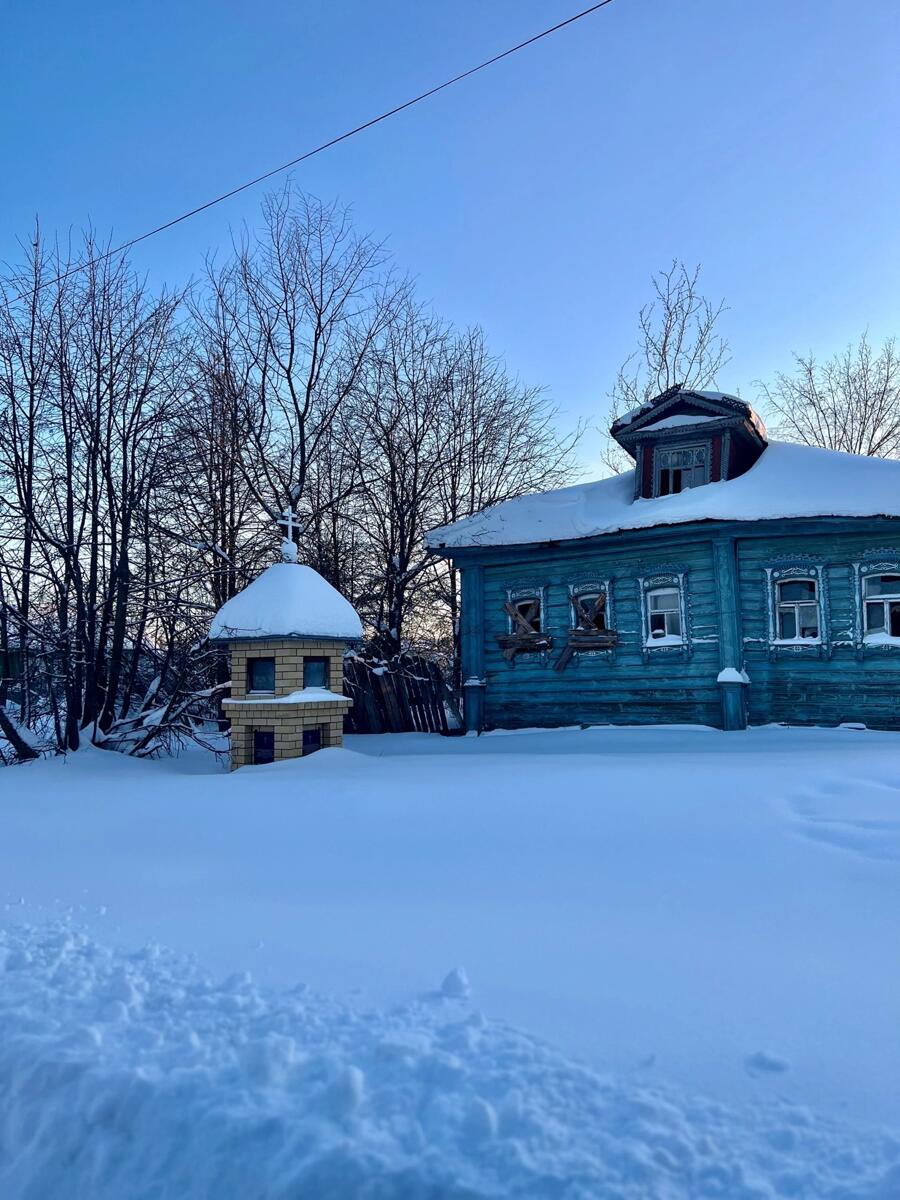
x=726, y=580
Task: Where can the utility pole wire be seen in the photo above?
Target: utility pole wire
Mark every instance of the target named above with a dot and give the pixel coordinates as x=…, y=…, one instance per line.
x=489, y=62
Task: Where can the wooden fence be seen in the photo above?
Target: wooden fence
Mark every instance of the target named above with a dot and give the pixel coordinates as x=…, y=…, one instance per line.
x=406, y=695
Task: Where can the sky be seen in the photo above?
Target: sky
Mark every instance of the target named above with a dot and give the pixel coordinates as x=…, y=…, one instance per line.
x=536, y=199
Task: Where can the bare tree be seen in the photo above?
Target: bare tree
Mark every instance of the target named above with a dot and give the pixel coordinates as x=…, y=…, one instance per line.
x=307, y=298
x=678, y=343
x=849, y=402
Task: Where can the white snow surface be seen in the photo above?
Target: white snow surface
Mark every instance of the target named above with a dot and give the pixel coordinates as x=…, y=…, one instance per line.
x=680, y=419
x=786, y=481
x=287, y=600
x=136, y=1075
x=310, y=695
x=644, y=964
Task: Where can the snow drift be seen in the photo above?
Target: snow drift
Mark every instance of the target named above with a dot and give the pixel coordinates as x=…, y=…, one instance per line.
x=136, y=1075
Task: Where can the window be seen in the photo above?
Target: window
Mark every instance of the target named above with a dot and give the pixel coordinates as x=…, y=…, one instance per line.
x=312, y=740
x=589, y=610
x=263, y=745
x=681, y=468
x=315, y=672
x=261, y=675
x=798, y=610
x=882, y=604
x=528, y=618
x=664, y=615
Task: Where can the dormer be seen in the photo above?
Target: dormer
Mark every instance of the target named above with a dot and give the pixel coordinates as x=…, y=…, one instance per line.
x=684, y=439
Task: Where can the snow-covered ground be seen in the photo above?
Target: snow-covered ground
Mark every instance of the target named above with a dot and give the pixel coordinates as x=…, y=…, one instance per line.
x=706, y=921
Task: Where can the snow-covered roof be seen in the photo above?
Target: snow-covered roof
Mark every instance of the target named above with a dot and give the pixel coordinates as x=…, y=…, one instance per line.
x=286, y=600
x=786, y=481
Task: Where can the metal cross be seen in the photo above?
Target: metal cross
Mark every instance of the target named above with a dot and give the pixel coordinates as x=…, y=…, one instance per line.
x=290, y=521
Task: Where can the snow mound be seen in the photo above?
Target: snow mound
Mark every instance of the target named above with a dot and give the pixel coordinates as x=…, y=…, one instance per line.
x=135, y=1075
x=287, y=600
x=786, y=481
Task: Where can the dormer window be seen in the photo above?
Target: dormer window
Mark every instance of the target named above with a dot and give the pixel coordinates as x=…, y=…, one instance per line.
x=680, y=468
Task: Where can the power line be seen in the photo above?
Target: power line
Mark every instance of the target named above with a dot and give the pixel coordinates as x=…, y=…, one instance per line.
x=489, y=62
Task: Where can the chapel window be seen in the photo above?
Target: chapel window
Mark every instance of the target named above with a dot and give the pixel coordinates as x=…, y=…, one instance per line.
x=882, y=604
x=798, y=610
x=315, y=672
x=680, y=468
x=261, y=675
x=263, y=746
x=664, y=615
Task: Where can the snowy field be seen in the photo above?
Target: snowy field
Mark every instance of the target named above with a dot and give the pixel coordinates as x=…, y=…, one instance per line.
x=682, y=949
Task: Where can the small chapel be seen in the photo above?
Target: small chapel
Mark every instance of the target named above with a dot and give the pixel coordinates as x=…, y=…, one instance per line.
x=286, y=634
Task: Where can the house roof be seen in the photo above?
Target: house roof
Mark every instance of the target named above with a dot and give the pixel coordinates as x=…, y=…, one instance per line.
x=703, y=406
x=786, y=481
x=286, y=600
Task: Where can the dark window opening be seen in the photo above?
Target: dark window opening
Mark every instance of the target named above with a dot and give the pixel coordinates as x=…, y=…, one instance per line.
x=315, y=672
x=680, y=469
x=312, y=740
x=261, y=675
x=263, y=746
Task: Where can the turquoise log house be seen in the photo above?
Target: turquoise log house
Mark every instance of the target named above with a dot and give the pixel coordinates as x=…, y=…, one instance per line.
x=727, y=580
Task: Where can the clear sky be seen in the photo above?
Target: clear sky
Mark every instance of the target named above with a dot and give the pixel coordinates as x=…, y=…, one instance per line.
x=759, y=139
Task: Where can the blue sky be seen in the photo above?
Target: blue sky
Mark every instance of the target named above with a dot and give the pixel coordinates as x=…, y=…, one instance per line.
x=536, y=199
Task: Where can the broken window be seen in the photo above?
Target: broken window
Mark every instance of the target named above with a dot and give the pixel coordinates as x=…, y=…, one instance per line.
x=528, y=619
x=663, y=615
x=589, y=611
x=525, y=635
x=882, y=604
x=798, y=610
x=681, y=468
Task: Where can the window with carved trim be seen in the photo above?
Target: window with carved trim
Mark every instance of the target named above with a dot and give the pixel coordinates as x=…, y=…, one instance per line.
x=881, y=595
x=797, y=610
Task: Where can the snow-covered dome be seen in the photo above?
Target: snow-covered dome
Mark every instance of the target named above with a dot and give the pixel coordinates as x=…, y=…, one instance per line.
x=286, y=600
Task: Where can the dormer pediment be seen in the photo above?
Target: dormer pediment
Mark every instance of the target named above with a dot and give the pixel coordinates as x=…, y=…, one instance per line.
x=684, y=438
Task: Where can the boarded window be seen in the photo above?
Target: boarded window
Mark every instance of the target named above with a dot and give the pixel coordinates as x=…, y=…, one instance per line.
x=589, y=610
x=882, y=604
x=529, y=615
x=263, y=746
x=798, y=610
x=315, y=672
x=261, y=675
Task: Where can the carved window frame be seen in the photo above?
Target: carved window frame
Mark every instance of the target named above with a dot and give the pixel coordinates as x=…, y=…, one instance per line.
x=525, y=590
x=873, y=562
x=651, y=581
x=593, y=586
x=786, y=571
x=665, y=447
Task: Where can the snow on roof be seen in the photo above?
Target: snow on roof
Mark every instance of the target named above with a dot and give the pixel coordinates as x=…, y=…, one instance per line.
x=680, y=419
x=786, y=481
x=287, y=600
